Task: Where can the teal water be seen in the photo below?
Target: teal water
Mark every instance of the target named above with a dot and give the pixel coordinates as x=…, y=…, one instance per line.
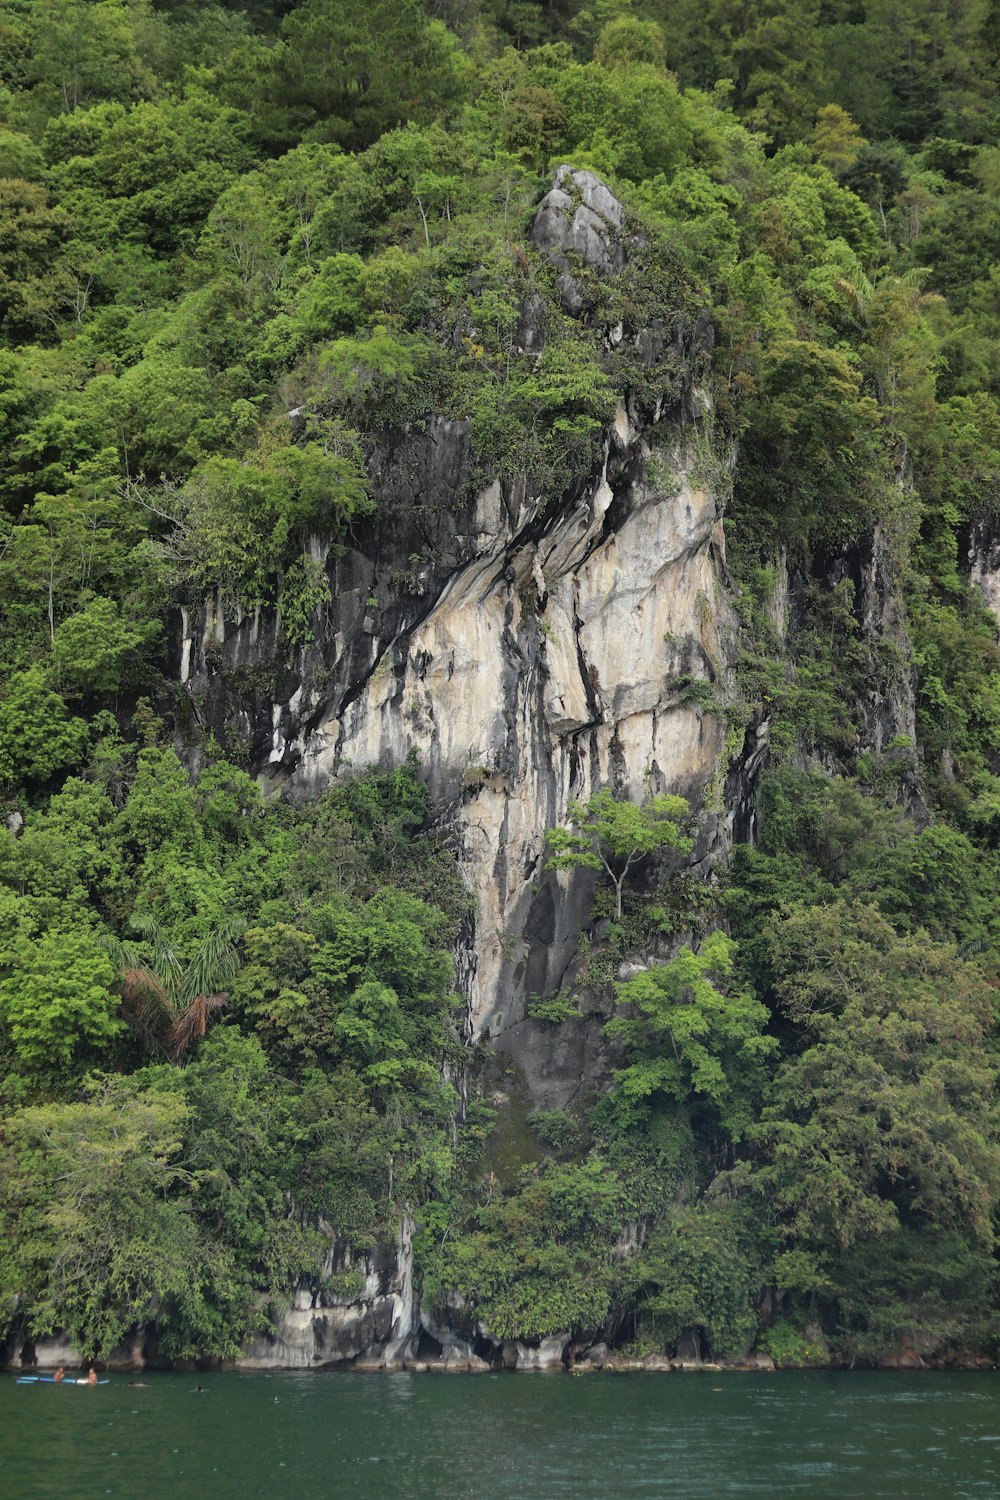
x=536, y=1437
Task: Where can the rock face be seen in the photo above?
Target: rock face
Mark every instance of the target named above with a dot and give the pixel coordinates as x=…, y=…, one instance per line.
x=528, y=652
x=886, y=710
x=579, y=213
x=378, y=1322
x=546, y=1355
x=45, y=1354
x=549, y=664
x=579, y=221
x=982, y=557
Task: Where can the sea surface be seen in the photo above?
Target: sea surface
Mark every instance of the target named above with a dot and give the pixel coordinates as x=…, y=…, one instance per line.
x=475, y=1437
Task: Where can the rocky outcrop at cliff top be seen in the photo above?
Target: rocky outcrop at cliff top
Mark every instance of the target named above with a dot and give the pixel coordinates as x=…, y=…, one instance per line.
x=579, y=222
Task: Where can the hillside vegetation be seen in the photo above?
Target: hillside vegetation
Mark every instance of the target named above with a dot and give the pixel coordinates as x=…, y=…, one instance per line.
x=225, y=1018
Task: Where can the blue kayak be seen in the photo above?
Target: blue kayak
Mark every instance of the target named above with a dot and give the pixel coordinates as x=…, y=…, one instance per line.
x=51, y=1380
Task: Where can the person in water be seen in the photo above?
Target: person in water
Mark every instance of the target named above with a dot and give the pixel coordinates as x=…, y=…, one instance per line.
x=92, y=1376
x=60, y=1374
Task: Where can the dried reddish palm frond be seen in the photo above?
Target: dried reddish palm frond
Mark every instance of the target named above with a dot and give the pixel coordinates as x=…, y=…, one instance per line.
x=146, y=1002
x=141, y=985
x=191, y=1024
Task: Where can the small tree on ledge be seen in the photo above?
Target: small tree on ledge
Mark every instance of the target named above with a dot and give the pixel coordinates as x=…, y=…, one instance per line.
x=605, y=834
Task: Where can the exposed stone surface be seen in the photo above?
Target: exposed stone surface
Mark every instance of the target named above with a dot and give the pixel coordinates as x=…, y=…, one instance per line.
x=45, y=1354
x=755, y=1360
x=579, y=222
x=379, y=1322
x=527, y=652
x=597, y=1356
x=901, y=1359
x=540, y=661
x=982, y=557
x=962, y=1359
x=580, y=215
x=547, y=1354
x=887, y=709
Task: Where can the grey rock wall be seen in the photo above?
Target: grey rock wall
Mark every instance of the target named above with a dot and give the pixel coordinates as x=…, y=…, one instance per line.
x=379, y=1324
x=543, y=660
x=529, y=652
x=982, y=559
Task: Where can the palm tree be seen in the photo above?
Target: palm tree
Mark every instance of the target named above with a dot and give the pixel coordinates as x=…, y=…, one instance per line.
x=167, y=1001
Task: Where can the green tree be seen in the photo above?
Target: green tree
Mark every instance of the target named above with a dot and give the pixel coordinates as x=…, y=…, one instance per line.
x=345, y=1168
x=837, y=140
x=357, y=72
x=690, y=1031
x=94, y=1200
x=279, y=501
x=38, y=736
x=245, y=1162
x=700, y=1272
x=63, y=861
x=539, y=1260
x=769, y=49
x=95, y=650
x=613, y=835
x=603, y=126
x=29, y=234
x=884, y=1125
x=628, y=40
x=161, y=1198
x=82, y=50
x=813, y=404
x=241, y=233
x=57, y=1003
x=170, y=1000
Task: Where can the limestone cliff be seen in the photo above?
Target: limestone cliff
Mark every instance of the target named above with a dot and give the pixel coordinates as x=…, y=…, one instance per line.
x=982, y=560
x=528, y=652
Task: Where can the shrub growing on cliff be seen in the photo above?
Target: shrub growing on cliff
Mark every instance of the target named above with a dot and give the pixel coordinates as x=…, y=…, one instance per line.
x=244, y=522
x=57, y=1003
x=94, y=1205
x=700, y=1272
x=540, y=1260
x=610, y=834
x=38, y=736
x=693, y=1034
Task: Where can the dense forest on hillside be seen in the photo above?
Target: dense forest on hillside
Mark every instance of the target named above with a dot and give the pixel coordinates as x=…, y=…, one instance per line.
x=228, y=1019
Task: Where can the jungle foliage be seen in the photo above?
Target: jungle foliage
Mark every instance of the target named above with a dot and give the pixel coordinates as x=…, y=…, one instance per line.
x=238, y=243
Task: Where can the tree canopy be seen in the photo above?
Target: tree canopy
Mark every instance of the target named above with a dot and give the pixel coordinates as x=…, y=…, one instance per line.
x=244, y=247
